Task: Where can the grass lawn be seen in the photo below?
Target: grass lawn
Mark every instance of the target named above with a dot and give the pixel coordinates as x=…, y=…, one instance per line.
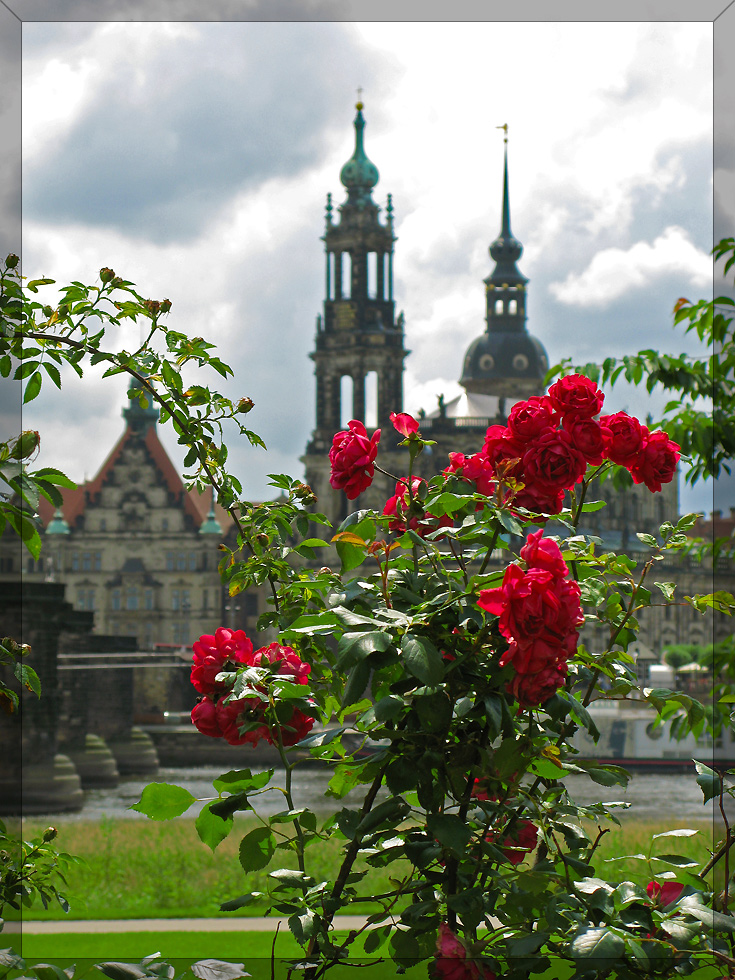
x=137, y=869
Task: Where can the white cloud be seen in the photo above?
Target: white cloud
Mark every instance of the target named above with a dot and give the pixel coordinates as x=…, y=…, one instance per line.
x=613, y=272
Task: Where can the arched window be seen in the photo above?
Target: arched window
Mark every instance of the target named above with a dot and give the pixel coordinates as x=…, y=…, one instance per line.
x=513, y=306
x=345, y=400
x=498, y=306
x=371, y=400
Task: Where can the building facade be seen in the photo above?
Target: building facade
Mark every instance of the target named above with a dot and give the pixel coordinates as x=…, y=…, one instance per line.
x=133, y=547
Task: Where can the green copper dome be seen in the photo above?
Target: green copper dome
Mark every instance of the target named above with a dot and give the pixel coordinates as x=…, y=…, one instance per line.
x=57, y=525
x=211, y=525
x=359, y=175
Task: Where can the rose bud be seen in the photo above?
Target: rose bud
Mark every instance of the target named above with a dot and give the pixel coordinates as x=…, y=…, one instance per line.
x=12, y=260
x=245, y=405
x=106, y=275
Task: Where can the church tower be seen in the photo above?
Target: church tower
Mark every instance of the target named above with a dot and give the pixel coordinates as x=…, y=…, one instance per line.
x=506, y=361
x=359, y=348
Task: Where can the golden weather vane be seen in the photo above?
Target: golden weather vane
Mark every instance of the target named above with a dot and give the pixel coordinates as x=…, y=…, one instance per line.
x=504, y=127
x=359, y=97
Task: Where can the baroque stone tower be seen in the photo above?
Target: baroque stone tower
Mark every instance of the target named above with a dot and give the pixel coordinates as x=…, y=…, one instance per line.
x=506, y=361
x=359, y=348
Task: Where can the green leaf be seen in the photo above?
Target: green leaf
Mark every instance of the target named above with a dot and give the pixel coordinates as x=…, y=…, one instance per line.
x=681, y=832
x=121, y=971
x=242, y=780
x=356, y=646
x=388, y=707
x=351, y=556
x=51, y=475
x=218, y=970
x=667, y=588
x=53, y=373
x=257, y=848
x=647, y=539
x=302, y=926
x=237, y=903
x=709, y=781
x=449, y=830
x=597, y=944
x=32, y=387
x=422, y=659
x=212, y=828
x=356, y=683
x=163, y=801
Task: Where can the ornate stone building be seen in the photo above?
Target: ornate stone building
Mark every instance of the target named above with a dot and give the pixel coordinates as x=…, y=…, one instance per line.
x=134, y=547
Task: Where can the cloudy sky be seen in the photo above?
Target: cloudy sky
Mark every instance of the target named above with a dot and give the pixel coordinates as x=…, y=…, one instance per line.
x=194, y=158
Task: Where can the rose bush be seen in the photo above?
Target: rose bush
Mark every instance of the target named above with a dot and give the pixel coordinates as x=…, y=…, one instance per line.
x=418, y=662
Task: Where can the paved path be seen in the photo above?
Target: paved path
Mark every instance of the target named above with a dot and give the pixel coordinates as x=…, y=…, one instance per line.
x=65, y=926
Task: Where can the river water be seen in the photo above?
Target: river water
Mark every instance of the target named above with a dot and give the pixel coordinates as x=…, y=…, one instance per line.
x=661, y=797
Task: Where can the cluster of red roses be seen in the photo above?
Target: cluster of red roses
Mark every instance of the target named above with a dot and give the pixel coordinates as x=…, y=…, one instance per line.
x=553, y=438
x=546, y=446
x=218, y=717
x=539, y=613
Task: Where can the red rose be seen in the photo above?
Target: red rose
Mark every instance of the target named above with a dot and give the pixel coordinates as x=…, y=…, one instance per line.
x=532, y=690
x=405, y=424
x=553, y=462
x=204, y=716
x=533, y=605
x=353, y=457
x=656, y=462
x=530, y=418
x=664, y=894
x=231, y=715
x=576, y=396
x=539, y=500
x=541, y=552
x=451, y=961
x=530, y=657
x=500, y=445
x=213, y=654
x=476, y=468
x=587, y=437
x=522, y=840
x=623, y=436
x=399, y=505
x=291, y=663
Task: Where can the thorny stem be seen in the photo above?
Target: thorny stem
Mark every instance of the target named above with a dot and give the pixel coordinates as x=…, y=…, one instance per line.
x=600, y=834
x=453, y=862
x=348, y=861
x=460, y=561
x=491, y=548
x=289, y=799
x=726, y=853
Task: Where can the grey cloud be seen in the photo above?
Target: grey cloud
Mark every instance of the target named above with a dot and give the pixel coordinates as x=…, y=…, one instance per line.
x=177, y=10
x=163, y=160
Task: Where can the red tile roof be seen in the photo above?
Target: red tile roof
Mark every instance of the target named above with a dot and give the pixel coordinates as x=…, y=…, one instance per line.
x=75, y=501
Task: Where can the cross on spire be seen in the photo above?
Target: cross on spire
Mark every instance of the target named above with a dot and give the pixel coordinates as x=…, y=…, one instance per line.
x=359, y=98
